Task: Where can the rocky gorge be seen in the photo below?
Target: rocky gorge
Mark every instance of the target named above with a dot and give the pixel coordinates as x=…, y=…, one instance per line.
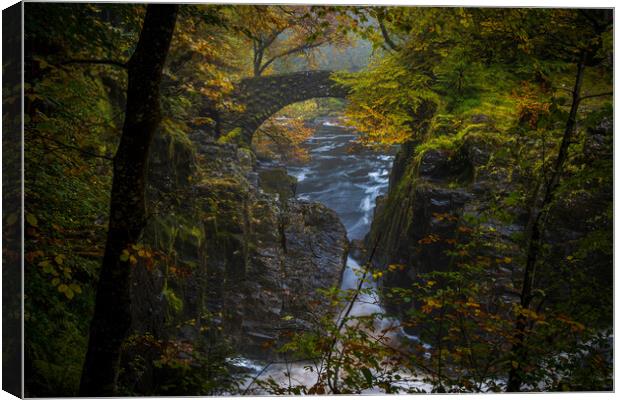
x=442, y=187
x=253, y=245
x=248, y=256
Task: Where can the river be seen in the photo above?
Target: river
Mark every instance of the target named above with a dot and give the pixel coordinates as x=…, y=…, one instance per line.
x=348, y=183
x=344, y=181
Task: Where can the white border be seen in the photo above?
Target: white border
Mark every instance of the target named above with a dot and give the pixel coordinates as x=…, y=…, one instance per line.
x=479, y=3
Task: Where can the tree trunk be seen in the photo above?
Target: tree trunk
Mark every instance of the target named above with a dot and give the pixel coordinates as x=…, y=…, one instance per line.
x=535, y=227
x=258, y=58
x=112, y=318
x=386, y=35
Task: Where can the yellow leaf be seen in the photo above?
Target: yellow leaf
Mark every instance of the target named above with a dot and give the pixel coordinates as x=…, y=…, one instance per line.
x=430, y=305
x=32, y=220
x=76, y=288
x=472, y=304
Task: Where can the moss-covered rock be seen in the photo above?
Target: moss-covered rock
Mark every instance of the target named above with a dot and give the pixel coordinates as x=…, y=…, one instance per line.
x=229, y=256
x=277, y=181
x=464, y=176
x=434, y=185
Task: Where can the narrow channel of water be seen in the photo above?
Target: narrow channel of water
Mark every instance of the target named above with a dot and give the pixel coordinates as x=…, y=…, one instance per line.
x=348, y=183
x=344, y=181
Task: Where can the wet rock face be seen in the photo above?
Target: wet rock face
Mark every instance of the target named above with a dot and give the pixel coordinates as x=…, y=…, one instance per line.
x=277, y=181
x=417, y=223
x=315, y=248
x=291, y=261
x=245, y=259
x=430, y=195
x=439, y=165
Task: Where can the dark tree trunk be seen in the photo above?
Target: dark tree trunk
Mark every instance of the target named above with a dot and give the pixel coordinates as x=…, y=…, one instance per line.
x=535, y=228
x=386, y=35
x=112, y=318
x=258, y=58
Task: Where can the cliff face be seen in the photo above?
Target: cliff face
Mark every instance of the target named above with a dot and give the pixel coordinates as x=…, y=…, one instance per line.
x=417, y=222
x=435, y=190
x=243, y=259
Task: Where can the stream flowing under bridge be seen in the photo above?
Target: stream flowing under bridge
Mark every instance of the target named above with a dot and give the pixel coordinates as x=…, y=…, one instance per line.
x=261, y=97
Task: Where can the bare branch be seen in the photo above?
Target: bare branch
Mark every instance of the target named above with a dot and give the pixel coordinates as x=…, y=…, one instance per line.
x=293, y=50
x=70, y=147
x=96, y=61
x=590, y=96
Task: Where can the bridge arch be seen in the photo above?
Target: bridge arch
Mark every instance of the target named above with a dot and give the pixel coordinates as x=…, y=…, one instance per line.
x=263, y=96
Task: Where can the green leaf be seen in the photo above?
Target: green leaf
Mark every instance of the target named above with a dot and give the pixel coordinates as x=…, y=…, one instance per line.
x=76, y=288
x=173, y=300
x=32, y=220
x=197, y=233
x=367, y=375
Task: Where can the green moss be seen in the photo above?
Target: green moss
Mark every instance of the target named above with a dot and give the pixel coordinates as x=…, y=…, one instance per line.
x=230, y=137
x=168, y=232
x=478, y=132
x=175, y=303
x=492, y=95
x=277, y=181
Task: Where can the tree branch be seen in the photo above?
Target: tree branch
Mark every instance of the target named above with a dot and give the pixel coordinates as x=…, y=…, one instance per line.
x=386, y=35
x=274, y=35
x=96, y=61
x=297, y=49
x=67, y=146
x=595, y=95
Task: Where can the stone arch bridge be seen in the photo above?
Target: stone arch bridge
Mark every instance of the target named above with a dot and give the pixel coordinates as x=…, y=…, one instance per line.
x=263, y=96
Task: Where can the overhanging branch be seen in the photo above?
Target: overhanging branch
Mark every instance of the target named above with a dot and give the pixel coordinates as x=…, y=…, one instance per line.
x=590, y=96
x=96, y=61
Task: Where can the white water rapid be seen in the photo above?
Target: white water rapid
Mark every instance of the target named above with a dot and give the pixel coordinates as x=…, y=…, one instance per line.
x=349, y=184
